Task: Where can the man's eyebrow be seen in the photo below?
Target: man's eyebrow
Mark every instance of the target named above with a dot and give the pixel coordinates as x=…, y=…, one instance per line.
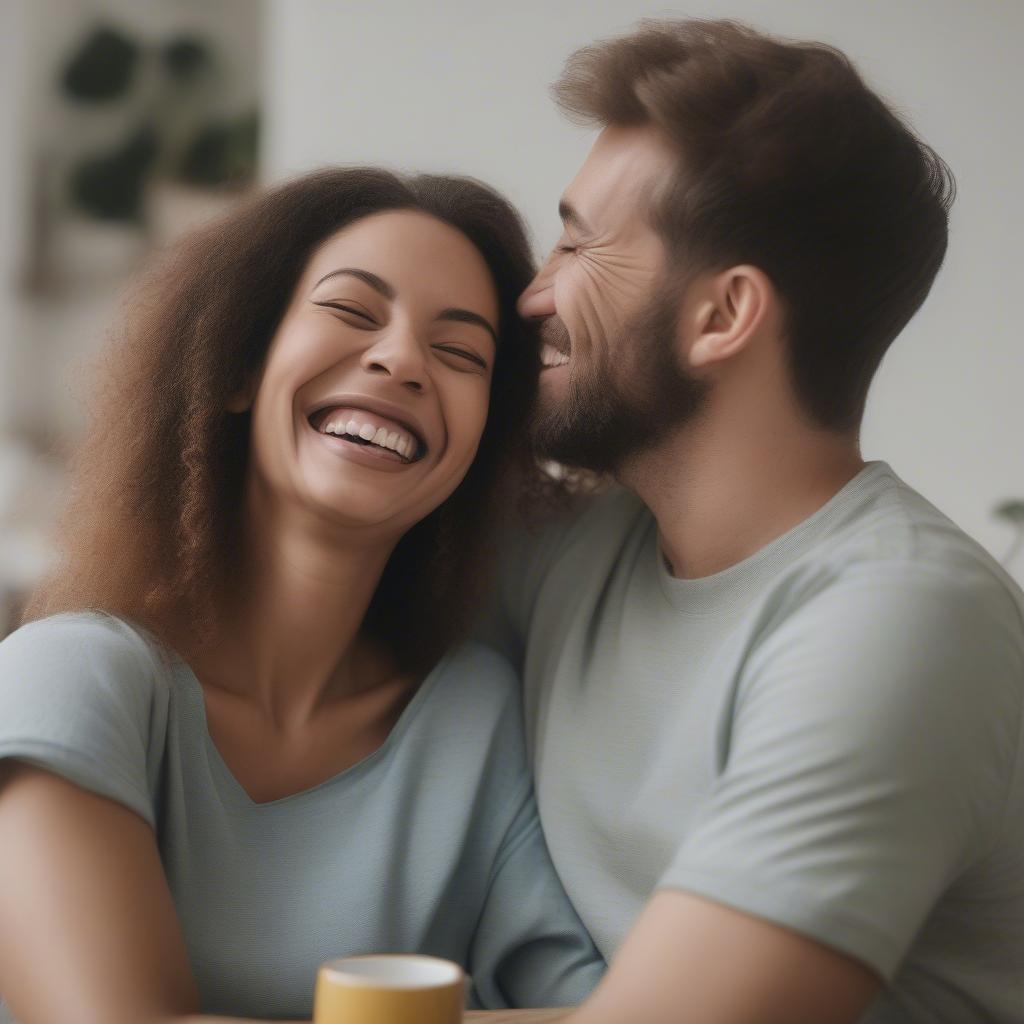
x=376, y=283
x=465, y=316
x=571, y=218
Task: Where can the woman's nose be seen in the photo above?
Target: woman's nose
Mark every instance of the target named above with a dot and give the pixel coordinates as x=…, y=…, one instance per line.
x=397, y=354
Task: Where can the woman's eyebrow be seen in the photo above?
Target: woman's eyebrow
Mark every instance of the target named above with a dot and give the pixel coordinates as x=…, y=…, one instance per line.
x=465, y=316
x=376, y=283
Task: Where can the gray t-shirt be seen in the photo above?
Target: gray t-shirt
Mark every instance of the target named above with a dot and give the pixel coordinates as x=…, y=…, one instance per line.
x=826, y=735
x=431, y=844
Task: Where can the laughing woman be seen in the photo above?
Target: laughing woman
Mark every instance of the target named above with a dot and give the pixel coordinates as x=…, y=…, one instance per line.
x=239, y=735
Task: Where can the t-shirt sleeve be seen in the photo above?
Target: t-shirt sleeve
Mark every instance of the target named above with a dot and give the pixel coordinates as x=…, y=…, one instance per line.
x=866, y=761
x=530, y=948
x=78, y=697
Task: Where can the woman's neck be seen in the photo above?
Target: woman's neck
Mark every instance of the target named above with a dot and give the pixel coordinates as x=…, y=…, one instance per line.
x=288, y=639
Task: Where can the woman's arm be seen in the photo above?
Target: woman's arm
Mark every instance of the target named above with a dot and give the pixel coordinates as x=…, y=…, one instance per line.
x=88, y=930
x=530, y=947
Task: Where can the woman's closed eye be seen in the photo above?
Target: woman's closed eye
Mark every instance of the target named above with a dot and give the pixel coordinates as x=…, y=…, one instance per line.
x=350, y=308
x=360, y=318
x=468, y=358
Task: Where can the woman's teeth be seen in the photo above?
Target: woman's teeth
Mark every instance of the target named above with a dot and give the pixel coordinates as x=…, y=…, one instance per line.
x=395, y=440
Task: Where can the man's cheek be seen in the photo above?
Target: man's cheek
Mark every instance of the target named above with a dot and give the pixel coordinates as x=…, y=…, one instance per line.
x=602, y=323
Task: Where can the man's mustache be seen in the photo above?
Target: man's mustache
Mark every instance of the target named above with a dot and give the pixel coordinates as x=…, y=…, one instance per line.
x=553, y=333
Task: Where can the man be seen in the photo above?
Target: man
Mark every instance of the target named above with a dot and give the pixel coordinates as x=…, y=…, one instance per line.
x=774, y=697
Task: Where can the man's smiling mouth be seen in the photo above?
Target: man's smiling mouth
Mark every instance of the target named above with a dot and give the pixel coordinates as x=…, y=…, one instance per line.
x=554, y=343
x=551, y=356
x=370, y=430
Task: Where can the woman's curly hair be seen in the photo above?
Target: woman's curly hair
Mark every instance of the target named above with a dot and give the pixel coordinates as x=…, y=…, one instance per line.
x=152, y=526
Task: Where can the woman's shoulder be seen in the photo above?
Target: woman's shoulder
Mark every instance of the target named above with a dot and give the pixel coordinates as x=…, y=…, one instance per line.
x=81, y=695
x=475, y=686
x=479, y=674
x=81, y=646
x=465, y=726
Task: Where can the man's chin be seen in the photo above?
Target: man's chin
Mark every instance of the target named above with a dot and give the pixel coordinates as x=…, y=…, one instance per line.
x=568, y=442
x=555, y=400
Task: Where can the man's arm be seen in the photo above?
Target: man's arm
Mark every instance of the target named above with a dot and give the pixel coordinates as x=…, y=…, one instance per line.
x=691, y=961
x=868, y=765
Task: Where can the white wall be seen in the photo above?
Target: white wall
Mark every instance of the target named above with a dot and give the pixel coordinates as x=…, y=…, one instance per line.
x=462, y=86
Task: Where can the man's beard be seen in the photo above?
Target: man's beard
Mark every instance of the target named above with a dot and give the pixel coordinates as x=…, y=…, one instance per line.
x=611, y=413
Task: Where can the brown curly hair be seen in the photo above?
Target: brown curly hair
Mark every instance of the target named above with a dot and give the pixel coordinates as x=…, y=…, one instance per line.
x=152, y=526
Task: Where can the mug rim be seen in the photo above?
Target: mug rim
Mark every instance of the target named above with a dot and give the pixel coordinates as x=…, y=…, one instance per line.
x=335, y=972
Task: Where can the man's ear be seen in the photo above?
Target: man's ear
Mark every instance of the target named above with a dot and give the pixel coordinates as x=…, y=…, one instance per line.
x=729, y=308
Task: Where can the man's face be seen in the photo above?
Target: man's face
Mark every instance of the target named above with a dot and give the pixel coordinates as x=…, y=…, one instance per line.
x=612, y=384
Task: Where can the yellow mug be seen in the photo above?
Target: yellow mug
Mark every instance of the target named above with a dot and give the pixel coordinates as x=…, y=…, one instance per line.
x=389, y=989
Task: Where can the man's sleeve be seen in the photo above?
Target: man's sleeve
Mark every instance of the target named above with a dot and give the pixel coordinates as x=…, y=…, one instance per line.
x=867, y=759
x=78, y=698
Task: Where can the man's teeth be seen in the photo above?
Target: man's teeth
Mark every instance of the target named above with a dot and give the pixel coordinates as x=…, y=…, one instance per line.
x=398, y=441
x=550, y=356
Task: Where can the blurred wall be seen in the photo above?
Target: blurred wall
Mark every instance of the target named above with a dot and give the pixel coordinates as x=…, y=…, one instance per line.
x=63, y=268
x=47, y=333
x=463, y=86
x=13, y=80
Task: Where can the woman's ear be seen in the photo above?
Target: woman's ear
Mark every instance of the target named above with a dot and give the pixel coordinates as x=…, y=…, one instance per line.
x=730, y=308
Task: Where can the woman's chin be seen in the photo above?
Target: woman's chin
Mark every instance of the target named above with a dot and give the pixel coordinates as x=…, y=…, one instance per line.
x=350, y=493
x=350, y=487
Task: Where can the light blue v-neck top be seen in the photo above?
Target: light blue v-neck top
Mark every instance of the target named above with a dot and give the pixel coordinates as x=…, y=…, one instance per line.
x=432, y=844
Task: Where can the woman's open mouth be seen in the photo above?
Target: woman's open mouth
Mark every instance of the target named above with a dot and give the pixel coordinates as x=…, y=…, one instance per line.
x=376, y=434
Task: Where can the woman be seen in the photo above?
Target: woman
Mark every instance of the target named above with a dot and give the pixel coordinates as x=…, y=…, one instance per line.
x=233, y=742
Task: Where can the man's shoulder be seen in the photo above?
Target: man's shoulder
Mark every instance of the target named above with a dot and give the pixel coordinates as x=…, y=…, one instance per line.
x=891, y=535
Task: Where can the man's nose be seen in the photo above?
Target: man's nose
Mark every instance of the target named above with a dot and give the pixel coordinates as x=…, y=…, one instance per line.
x=398, y=354
x=539, y=298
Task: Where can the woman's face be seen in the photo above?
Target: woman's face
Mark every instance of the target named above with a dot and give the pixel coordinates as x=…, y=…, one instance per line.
x=375, y=388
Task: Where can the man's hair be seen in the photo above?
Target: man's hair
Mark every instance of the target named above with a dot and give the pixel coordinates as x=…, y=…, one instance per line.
x=153, y=524
x=790, y=163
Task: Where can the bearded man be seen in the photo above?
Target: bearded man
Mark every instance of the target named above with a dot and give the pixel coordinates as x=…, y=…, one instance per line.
x=774, y=697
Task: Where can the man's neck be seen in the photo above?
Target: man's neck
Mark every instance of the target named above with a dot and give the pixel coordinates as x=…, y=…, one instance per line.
x=719, y=498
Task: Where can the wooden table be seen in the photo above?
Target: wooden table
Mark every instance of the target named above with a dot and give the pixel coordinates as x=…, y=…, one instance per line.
x=514, y=1016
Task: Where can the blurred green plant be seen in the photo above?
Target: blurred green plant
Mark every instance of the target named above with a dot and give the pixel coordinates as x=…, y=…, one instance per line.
x=110, y=187
x=177, y=137
x=102, y=68
x=186, y=57
x=1012, y=512
x=224, y=152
